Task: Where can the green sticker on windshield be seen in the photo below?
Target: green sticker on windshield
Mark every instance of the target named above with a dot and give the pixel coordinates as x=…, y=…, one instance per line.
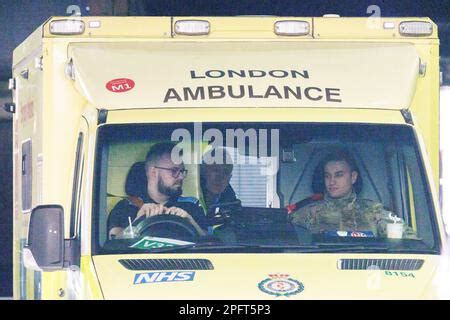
x=147, y=243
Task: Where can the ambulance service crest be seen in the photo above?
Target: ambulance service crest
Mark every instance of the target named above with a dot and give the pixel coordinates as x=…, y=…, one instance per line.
x=280, y=285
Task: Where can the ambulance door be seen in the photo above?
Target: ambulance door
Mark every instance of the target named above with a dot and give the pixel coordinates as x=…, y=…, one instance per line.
x=75, y=285
x=66, y=283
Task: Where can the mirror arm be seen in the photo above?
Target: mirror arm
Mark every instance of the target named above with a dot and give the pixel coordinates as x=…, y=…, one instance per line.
x=71, y=252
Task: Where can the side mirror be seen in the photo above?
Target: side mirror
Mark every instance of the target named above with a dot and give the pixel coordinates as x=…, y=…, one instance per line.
x=45, y=249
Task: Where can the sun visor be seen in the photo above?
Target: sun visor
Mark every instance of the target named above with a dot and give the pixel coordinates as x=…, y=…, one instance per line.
x=245, y=74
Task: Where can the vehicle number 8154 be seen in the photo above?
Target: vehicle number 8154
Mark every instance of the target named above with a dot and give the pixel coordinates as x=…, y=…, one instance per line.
x=400, y=274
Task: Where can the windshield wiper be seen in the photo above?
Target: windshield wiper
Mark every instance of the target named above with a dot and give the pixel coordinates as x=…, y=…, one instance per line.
x=314, y=248
x=192, y=246
x=266, y=248
x=226, y=247
x=413, y=250
x=346, y=247
x=351, y=248
x=307, y=248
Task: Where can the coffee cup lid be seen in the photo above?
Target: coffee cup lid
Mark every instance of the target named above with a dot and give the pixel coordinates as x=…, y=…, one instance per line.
x=394, y=218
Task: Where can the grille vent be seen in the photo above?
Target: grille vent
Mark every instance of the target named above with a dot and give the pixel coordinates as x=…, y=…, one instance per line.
x=381, y=264
x=167, y=264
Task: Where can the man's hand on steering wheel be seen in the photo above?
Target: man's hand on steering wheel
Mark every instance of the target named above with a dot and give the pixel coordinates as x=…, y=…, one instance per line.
x=153, y=209
x=150, y=209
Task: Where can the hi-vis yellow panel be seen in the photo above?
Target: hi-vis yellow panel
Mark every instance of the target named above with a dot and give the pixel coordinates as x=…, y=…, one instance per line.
x=239, y=276
x=114, y=27
x=363, y=28
x=221, y=74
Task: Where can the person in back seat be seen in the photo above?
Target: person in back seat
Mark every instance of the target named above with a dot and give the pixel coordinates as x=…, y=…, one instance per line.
x=341, y=209
x=215, y=174
x=162, y=196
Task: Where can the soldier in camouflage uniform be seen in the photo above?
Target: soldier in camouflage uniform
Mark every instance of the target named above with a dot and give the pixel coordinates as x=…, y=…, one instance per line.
x=341, y=209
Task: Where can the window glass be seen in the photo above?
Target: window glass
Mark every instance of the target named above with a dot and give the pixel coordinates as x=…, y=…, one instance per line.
x=26, y=175
x=290, y=187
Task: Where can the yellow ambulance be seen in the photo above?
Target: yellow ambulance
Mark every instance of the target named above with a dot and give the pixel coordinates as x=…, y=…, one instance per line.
x=92, y=95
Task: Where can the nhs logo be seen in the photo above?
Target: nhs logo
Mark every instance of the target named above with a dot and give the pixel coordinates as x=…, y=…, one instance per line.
x=152, y=277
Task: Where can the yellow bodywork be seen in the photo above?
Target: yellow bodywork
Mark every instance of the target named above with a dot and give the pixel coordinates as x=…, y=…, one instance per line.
x=240, y=275
x=372, y=73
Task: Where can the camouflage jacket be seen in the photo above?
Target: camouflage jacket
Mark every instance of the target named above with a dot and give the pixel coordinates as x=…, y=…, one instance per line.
x=347, y=214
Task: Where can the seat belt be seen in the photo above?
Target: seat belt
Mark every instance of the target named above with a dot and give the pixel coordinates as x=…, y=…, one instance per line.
x=136, y=201
x=303, y=203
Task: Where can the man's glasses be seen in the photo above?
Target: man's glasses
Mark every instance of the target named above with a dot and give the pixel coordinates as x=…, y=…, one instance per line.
x=176, y=172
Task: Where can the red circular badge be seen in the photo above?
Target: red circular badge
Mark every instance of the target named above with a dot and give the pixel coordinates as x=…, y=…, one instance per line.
x=120, y=85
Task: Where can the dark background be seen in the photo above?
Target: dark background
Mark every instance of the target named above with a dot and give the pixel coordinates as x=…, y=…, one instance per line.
x=19, y=18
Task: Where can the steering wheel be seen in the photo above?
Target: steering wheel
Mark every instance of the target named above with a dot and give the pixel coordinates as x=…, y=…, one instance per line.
x=166, y=226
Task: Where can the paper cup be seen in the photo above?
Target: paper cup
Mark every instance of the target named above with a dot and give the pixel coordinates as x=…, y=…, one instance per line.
x=395, y=230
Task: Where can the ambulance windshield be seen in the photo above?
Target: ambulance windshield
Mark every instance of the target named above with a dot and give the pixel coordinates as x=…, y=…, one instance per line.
x=261, y=187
